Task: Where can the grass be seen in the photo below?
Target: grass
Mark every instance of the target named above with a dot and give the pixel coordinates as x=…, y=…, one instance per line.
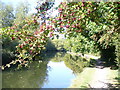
x=82, y=80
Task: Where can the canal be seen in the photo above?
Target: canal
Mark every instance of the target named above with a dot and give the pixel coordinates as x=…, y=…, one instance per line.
x=57, y=70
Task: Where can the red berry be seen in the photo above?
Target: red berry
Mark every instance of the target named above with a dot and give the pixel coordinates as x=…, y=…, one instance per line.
x=60, y=9
x=52, y=29
x=59, y=18
x=21, y=46
x=43, y=39
x=61, y=26
x=73, y=26
x=26, y=41
x=64, y=15
x=30, y=51
x=68, y=21
x=67, y=26
x=27, y=37
x=12, y=27
x=50, y=26
x=13, y=38
x=51, y=34
x=36, y=32
x=35, y=21
x=47, y=27
x=41, y=30
x=74, y=18
x=53, y=21
x=61, y=15
x=31, y=37
x=31, y=45
x=82, y=4
x=43, y=12
x=88, y=10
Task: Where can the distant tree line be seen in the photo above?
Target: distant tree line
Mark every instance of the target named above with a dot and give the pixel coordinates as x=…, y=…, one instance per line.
x=10, y=15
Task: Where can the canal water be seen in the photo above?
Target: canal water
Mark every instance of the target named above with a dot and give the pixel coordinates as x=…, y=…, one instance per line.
x=57, y=70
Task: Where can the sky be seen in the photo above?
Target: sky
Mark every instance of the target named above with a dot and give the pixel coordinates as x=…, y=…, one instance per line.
x=14, y=3
x=33, y=3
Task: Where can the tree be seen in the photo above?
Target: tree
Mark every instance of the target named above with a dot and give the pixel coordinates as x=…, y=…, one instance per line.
x=42, y=9
x=21, y=12
x=31, y=40
x=6, y=15
x=96, y=21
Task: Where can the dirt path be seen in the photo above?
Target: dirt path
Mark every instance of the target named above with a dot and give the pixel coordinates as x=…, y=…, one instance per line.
x=100, y=78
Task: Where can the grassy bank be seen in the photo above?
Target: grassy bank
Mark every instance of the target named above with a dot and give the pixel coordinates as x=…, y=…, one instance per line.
x=83, y=79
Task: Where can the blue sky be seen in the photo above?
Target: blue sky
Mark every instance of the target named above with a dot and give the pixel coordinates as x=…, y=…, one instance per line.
x=33, y=3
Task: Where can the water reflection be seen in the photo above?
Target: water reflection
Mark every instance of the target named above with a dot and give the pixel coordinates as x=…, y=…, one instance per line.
x=31, y=78
x=75, y=63
x=56, y=71
x=59, y=75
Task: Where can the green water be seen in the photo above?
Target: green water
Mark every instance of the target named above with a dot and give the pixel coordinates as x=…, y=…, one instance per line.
x=56, y=71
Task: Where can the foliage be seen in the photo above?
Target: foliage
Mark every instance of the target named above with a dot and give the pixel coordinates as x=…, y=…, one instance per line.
x=95, y=25
x=59, y=44
x=50, y=46
x=8, y=47
x=30, y=37
x=80, y=44
x=6, y=15
x=117, y=49
x=21, y=12
x=97, y=22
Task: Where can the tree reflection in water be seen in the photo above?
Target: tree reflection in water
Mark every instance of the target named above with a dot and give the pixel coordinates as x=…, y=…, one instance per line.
x=75, y=63
x=34, y=77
